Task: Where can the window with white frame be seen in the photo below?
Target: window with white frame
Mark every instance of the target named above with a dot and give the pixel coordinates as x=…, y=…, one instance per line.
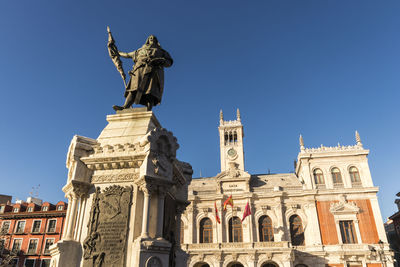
x=16, y=245
x=30, y=209
x=51, y=228
x=60, y=207
x=32, y=246
x=2, y=208
x=49, y=242
x=45, y=208
x=15, y=210
x=20, y=227
x=36, y=226
x=5, y=227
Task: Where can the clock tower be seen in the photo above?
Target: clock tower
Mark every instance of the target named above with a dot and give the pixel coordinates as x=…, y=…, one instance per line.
x=231, y=143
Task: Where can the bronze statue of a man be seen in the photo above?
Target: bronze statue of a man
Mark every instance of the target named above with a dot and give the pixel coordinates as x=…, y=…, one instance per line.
x=146, y=83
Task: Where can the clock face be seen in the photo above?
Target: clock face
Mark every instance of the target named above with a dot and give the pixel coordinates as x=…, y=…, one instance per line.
x=231, y=152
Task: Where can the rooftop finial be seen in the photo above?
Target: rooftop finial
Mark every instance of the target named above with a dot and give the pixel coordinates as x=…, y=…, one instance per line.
x=221, y=116
x=301, y=141
x=358, y=139
x=238, y=114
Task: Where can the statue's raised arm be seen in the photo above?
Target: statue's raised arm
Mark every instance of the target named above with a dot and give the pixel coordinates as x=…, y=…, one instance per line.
x=146, y=83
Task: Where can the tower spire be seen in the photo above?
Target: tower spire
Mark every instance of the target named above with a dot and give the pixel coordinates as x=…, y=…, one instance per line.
x=238, y=114
x=358, y=139
x=301, y=142
x=221, y=117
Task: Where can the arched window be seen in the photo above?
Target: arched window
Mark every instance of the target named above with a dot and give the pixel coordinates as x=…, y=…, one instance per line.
x=235, y=264
x=354, y=175
x=318, y=177
x=235, y=230
x=182, y=233
x=206, y=231
x=336, y=176
x=226, y=137
x=270, y=264
x=265, y=229
x=301, y=265
x=296, y=231
x=234, y=137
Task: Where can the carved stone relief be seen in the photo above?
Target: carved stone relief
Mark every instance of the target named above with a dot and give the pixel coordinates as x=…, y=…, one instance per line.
x=105, y=244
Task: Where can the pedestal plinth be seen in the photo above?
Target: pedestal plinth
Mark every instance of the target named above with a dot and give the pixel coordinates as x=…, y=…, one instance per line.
x=118, y=187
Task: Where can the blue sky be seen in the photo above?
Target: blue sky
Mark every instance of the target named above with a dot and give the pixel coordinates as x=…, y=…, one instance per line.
x=320, y=68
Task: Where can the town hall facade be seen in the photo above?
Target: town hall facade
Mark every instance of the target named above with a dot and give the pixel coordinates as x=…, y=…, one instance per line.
x=326, y=213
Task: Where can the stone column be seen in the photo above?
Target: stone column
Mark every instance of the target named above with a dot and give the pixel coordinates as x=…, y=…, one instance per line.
x=179, y=210
x=160, y=214
x=146, y=211
x=69, y=235
x=67, y=217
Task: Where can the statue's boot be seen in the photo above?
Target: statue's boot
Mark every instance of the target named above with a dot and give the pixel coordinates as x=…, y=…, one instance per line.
x=115, y=107
x=149, y=106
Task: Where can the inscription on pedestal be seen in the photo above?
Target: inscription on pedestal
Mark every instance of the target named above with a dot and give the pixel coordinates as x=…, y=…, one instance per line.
x=105, y=244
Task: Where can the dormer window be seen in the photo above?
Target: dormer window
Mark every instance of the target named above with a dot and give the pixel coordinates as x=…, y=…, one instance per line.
x=15, y=210
x=30, y=209
x=2, y=208
x=45, y=208
x=60, y=207
x=319, y=177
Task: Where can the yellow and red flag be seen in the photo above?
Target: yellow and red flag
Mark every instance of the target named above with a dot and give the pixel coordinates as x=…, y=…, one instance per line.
x=247, y=211
x=216, y=213
x=229, y=201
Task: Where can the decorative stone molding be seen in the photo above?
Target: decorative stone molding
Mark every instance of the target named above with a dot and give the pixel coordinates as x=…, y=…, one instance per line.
x=344, y=207
x=76, y=189
x=113, y=163
x=114, y=178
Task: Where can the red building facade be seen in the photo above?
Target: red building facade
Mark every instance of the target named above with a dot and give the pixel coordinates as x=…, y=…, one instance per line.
x=27, y=231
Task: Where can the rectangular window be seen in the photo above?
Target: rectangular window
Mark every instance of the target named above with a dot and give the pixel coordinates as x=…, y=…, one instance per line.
x=5, y=227
x=36, y=226
x=17, y=245
x=32, y=246
x=52, y=226
x=15, y=210
x=29, y=263
x=2, y=208
x=49, y=242
x=348, y=233
x=20, y=227
x=60, y=207
x=30, y=209
x=45, y=208
x=45, y=263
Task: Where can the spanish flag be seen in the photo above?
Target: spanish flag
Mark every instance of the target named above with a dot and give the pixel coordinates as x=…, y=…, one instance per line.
x=227, y=202
x=216, y=213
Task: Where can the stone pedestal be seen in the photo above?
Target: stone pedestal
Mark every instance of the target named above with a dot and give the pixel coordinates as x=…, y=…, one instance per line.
x=118, y=188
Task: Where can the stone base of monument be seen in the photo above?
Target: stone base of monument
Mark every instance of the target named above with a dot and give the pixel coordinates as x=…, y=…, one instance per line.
x=118, y=187
x=66, y=253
